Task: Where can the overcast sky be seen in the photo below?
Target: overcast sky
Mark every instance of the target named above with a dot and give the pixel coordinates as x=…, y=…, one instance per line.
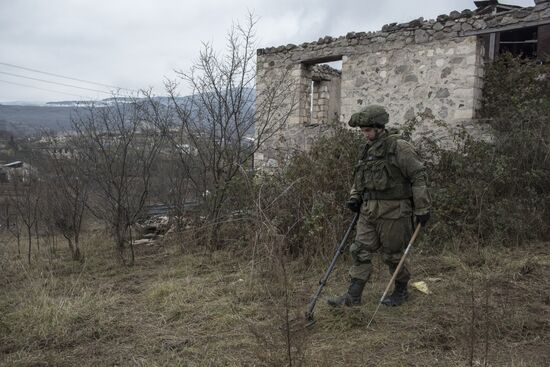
x=135, y=44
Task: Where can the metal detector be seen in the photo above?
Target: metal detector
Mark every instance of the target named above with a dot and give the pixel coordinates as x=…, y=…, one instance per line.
x=340, y=250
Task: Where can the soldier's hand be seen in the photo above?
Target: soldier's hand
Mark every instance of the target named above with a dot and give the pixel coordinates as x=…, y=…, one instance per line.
x=354, y=205
x=423, y=219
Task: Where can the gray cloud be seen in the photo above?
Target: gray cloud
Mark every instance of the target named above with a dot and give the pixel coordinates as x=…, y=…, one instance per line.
x=135, y=44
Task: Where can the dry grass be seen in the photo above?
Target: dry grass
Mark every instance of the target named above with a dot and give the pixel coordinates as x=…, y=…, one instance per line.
x=490, y=307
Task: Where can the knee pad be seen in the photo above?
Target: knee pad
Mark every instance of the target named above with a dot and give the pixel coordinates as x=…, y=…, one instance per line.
x=359, y=254
x=365, y=263
x=391, y=259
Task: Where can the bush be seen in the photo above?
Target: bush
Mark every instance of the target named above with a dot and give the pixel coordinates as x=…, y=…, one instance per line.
x=489, y=191
x=305, y=200
x=476, y=193
x=497, y=191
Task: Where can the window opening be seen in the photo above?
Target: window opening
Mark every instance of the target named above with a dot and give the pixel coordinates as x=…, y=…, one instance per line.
x=321, y=97
x=520, y=42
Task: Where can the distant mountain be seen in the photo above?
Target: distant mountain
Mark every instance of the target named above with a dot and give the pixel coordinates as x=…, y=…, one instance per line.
x=70, y=103
x=20, y=119
x=28, y=120
x=102, y=103
x=22, y=103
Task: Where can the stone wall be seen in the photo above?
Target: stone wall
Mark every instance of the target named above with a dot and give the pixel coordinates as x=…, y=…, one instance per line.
x=441, y=77
x=434, y=66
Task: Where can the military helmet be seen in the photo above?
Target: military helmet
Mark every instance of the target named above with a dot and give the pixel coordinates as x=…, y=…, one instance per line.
x=370, y=116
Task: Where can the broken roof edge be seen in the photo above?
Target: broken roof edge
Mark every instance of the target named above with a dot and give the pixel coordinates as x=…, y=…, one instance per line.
x=455, y=24
x=505, y=28
x=492, y=3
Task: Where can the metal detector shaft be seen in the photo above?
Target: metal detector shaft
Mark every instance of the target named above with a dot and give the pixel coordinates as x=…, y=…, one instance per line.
x=323, y=281
x=397, y=270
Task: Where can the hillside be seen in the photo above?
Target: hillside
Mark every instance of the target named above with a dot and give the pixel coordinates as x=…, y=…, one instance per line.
x=24, y=120
x=184, y=307
x=27, y=120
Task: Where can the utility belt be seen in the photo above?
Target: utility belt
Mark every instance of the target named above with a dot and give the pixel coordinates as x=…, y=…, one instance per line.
x=399, y=192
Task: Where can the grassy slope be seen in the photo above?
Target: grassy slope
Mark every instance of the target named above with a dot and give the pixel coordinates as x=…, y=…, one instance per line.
x=225, y=308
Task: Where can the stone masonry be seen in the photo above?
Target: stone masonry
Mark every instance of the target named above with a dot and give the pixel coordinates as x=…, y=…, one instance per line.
x=423, y=66
x=321, y=95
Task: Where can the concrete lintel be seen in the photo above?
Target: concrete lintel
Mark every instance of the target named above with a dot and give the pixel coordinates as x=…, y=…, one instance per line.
x=322, y=59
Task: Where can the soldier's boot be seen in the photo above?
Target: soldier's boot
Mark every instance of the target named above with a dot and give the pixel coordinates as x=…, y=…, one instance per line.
x=399, y=296
x=352, y=297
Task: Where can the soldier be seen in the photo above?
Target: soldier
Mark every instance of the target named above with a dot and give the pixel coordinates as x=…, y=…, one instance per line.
x=389, y=189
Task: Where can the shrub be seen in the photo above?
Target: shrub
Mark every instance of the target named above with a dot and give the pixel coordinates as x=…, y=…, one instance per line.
x=305, y=200
x=489, y=191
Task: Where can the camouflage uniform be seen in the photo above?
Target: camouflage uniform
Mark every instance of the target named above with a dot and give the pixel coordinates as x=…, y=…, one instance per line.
x=389, y=188
x=387, y=177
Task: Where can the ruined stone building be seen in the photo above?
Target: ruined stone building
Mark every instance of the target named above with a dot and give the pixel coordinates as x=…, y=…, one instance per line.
x=433, y=66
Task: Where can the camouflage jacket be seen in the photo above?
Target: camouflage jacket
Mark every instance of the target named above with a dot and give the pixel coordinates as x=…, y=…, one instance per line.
x=387, y=176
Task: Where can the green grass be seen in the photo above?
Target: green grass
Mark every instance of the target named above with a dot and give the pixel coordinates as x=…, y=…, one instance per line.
x=488, y=307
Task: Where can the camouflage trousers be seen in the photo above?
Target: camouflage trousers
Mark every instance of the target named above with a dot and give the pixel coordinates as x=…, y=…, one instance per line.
x=387, y=236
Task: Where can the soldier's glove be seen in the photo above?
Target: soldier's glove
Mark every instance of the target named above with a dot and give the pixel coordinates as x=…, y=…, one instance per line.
x=423, y=219
x=354, y=205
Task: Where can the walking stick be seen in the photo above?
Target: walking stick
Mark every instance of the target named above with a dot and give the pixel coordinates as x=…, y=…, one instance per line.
x=309, y=313
x=399, y=266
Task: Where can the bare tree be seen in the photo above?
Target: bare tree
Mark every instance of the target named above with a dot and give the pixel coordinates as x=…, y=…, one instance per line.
x=174, y=187
x=25, y=200
x=119, y=151
x=220, y=126
x=68, y=194
x=11, y=220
